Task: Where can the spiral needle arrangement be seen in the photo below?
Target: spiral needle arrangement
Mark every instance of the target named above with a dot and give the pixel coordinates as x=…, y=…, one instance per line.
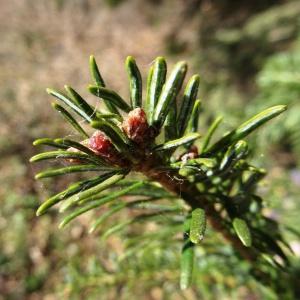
x=186, y=175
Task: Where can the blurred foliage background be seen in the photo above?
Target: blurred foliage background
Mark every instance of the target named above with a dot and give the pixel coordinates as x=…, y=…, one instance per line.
x=248, y=56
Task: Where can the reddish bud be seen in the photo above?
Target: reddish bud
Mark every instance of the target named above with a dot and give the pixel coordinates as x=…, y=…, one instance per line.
x=192, y=153
x=101, y=144
x=136, y=125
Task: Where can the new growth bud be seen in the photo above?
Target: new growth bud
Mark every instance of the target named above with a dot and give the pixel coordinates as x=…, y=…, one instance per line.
x=101, y=144
x=136, y=126
x=103, y=147
x=191, y=154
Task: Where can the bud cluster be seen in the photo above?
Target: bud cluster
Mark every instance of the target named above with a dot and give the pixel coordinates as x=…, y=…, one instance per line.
x=135, y=126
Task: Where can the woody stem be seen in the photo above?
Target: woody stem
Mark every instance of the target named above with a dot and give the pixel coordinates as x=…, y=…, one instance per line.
x=179, y=186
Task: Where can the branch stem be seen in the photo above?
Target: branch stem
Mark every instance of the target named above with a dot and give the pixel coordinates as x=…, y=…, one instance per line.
x=178, y=185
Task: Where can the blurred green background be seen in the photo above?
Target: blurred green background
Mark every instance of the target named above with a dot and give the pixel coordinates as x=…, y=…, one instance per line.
x=248, y=56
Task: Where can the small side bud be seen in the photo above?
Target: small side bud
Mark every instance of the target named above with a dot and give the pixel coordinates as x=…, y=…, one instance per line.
x=101, y=145
x=191, y=154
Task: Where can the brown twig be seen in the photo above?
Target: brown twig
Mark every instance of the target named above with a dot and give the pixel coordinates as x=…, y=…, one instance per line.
x=178, y=185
